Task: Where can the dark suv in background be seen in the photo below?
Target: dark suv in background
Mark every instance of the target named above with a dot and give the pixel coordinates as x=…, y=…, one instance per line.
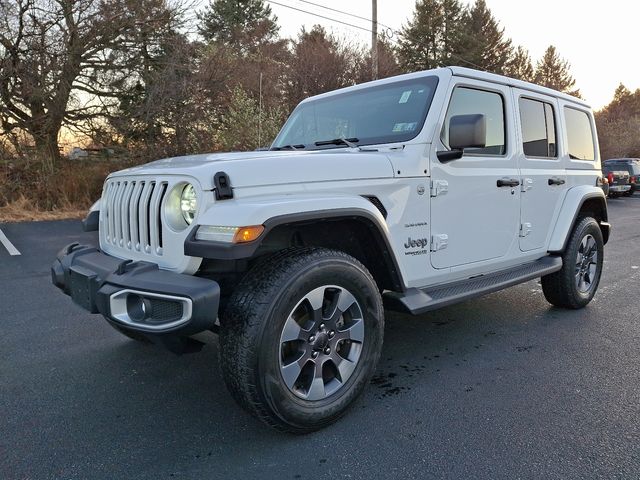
x=631, y=165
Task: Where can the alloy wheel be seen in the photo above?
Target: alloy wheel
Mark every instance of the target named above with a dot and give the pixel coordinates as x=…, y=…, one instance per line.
x=321, y=342
x=586, y=264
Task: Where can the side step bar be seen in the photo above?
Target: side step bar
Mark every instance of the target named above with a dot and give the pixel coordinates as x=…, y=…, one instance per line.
x=417, y=301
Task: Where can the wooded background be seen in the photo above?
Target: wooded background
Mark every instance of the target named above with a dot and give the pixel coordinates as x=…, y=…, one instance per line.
x=146, y=79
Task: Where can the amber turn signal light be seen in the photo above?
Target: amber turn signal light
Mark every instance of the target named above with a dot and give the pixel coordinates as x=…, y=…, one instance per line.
x=248, y=234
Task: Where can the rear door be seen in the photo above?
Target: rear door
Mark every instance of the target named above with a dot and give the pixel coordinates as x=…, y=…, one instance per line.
x=543, y=175
x=475, y=207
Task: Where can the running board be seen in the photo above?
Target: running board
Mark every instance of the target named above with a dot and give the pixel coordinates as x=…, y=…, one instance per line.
x=417, y=301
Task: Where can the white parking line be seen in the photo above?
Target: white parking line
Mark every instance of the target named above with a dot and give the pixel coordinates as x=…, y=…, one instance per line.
x=8, y=245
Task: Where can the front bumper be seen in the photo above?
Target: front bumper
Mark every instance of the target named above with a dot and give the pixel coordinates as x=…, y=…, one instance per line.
x=136, y=296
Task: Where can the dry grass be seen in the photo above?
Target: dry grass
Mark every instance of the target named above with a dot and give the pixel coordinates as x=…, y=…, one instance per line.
x=28, y=192
x=23, y=210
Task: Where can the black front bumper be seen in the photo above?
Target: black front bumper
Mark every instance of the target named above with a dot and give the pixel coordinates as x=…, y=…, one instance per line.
x=136, y=296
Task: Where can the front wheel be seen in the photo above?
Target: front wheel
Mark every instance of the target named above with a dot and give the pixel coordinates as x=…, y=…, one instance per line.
x=576, y=283
x=301, y=338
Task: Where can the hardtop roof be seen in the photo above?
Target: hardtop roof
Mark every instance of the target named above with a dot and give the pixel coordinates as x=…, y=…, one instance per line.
x=459, y=72
x=512, y=82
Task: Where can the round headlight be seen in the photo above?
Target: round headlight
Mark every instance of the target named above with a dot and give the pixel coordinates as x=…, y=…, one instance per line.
x=188, y=203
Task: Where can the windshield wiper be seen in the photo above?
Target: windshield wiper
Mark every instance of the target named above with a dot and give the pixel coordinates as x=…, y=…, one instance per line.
x=349, y=142
x=289, y=147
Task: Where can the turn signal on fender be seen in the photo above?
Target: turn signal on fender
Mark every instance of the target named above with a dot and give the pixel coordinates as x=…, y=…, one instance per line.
x=248, y=234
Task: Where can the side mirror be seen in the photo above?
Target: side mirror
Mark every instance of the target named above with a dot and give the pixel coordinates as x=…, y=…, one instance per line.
x=465, y=131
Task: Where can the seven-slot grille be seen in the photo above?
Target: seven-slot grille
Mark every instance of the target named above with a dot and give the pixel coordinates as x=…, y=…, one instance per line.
x=131, y=214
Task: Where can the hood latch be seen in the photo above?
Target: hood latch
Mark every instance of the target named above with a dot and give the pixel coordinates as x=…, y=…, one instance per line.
x=223, y=186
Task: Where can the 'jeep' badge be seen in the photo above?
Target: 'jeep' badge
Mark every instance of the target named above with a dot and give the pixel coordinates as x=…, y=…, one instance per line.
x=419, y=243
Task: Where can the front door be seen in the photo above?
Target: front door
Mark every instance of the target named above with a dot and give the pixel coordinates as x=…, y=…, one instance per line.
x=478, y=217
x=544, y=180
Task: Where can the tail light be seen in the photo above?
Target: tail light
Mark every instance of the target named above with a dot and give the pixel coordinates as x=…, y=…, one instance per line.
x=610, y=177
x=632, y=179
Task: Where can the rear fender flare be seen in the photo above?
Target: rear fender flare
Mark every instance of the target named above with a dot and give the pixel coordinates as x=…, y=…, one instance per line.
x=571, y=207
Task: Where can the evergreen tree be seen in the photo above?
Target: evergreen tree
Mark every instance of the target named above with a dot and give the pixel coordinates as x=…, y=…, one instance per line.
x=238, y=22
x=520, y=66
x=259, y=126
x=433, y=37
x=453, y=34
x=487, y=47
x=418, y=42
x=553, y=71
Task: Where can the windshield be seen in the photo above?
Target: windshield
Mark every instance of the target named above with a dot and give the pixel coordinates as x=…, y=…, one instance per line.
x=393, y=112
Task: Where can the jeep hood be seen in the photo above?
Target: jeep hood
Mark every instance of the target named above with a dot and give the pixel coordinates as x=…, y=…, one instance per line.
x=251, y=169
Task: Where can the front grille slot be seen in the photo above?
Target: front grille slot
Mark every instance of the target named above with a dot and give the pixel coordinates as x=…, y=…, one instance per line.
x=132, y=219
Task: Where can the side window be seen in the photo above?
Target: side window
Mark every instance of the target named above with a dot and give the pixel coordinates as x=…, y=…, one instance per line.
x=468, y=101
x=579, y=135
x=538, y=128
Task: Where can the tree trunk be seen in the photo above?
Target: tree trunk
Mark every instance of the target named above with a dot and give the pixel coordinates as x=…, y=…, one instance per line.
x=47, y=150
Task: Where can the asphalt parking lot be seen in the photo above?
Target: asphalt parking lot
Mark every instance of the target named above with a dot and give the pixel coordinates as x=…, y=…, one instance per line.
x=499, y=387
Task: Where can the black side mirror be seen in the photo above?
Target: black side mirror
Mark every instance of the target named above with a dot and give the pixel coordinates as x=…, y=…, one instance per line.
x=465, y=131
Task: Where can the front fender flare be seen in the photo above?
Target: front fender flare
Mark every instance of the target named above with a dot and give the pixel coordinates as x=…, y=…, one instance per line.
x=272, y=211
x=290, y=209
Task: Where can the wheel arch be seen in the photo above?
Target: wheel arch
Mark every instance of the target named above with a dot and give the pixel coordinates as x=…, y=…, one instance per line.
x=579, y=202
x=356, y=232
x=359, y=231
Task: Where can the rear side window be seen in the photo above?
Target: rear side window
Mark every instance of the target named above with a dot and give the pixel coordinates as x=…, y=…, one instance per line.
x=468, y=101
x=538, y=128
x=579, y=135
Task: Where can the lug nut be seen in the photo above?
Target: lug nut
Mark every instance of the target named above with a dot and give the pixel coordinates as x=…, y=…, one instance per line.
x=314, y=355
x=312, y=339
x=327, y=351
x=322, y=326
x=331, y=334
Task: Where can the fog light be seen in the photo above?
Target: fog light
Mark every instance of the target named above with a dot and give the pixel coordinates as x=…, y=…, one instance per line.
x=138, y=308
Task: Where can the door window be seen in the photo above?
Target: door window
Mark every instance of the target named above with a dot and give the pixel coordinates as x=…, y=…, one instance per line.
x=538, y=128
x=469, y=101
x=579, y=134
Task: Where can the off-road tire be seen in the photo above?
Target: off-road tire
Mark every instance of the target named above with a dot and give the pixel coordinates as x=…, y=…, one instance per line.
x=251, y=327
x=560, y=288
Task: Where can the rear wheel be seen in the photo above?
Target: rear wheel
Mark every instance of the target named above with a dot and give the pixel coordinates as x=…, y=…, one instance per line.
x=301, y=338
x=576, y=283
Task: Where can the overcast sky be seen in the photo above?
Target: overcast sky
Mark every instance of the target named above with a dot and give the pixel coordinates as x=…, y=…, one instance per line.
x=599, y=39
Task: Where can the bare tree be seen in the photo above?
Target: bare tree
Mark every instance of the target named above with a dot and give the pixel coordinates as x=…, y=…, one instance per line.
x=60, y=60
x=320, y=62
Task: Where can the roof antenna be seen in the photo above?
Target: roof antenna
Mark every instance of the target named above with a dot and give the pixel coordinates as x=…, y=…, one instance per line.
x=260, y=114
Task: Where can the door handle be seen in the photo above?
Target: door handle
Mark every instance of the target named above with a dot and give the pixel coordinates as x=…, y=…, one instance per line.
x=508, y=182
x=556, y=181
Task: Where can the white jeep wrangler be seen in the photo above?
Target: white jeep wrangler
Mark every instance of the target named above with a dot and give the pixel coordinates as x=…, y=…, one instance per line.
x=420, y=191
